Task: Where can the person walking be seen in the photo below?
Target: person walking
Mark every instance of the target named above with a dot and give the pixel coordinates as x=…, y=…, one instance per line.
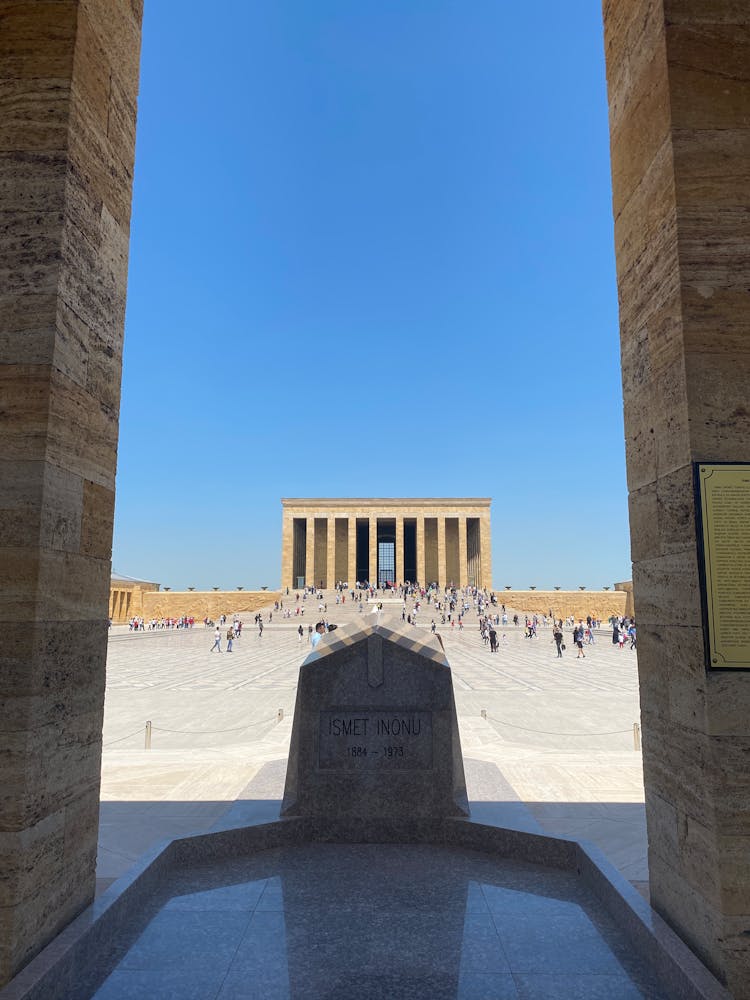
x=217, y=640
x=557, y=635
x=300, y=633
x=230, y=638
x=578, y=640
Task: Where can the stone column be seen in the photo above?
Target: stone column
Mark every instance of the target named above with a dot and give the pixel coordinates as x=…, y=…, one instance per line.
x=373, y=568
x=287, y=551
x=67, y=129
x=463, y=560
x=331, y=554
x=399, y=548
x=352, y=552
x=442, y=567
x=485, y=552
x=679, y=112
x=421, y=567
x=310, y=580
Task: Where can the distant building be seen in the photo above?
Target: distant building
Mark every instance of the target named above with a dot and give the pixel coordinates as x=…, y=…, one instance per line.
x=444, y=541
x=126, y=597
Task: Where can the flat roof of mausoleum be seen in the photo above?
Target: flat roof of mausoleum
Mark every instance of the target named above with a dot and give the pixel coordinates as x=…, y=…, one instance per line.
x=388, y=501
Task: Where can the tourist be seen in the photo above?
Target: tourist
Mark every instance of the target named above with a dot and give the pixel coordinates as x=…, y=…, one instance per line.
x=230, y=637
x=557, y=635
x=217, y=640
x=319, y=631
x=300, y=633
x=578, y=640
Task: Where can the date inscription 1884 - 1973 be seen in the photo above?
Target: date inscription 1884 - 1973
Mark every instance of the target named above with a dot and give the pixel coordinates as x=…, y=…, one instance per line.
x=364, y=739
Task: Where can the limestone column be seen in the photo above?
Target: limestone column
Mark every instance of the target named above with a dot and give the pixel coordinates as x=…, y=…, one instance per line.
x=442, y=567
x=287, y=551
x=399, y=549
x=331, y=554
x=310, y=580
x=463, y=560
x=373, y=568
x=421, y=565
x=679, y=112
x=352, y=552
x=67, y=129
x=485, y=552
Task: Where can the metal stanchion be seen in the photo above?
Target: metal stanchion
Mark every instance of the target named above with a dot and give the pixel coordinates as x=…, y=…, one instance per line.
x=483, y=713
x=148, y=735
x=636, y=736
x=280, y=715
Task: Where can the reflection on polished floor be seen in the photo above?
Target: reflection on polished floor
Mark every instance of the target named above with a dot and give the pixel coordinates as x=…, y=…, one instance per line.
x=370, y=921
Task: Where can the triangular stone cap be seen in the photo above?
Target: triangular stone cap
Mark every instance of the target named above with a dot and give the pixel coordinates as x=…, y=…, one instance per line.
x=408, y=637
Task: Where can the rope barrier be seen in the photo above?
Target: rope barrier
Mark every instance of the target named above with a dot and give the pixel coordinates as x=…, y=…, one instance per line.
x=213, y=732
x=138, y=732
x=192, y=732
x=545, y=732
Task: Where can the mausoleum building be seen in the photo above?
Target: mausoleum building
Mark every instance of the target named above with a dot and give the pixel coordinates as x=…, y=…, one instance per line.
x=384, y=541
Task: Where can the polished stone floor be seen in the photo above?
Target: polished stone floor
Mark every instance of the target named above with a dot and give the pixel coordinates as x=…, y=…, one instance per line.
x=372, y=921
x=548, y=741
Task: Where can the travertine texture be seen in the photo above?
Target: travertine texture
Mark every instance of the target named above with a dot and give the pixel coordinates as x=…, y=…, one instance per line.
x=319, y=537
x=563, y=603
x=68, y=88
x=206, y=603
x=680, y=132
x=144, y=600
x=126, y=598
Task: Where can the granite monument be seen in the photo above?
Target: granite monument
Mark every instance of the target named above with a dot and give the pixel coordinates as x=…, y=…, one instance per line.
x=375, y=734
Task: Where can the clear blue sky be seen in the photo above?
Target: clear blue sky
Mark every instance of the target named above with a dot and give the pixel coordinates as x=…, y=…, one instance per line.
x=371, y=255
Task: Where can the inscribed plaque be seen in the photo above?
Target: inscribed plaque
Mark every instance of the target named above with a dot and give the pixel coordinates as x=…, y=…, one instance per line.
x=724, y=508
x=360, y=739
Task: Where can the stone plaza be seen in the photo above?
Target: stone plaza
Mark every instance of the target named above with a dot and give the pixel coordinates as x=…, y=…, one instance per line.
x=548, y=743
x=195, y=751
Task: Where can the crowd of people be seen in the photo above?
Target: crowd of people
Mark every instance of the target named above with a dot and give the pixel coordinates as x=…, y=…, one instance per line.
x=138, y=624
x=449, y=607
x=231, y=632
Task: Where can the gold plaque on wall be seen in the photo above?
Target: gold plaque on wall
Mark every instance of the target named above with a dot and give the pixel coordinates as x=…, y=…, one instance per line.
x=723, y=493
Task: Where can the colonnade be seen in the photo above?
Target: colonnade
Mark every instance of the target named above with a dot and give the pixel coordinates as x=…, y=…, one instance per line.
x=429, y=541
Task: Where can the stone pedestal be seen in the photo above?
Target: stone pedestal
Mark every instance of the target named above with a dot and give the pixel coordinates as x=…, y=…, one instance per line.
x=375, y=735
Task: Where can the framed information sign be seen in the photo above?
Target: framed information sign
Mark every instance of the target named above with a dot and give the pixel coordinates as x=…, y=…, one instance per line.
x=723, y=528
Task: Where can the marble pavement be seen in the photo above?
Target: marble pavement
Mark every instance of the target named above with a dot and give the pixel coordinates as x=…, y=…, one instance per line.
x=547, y=743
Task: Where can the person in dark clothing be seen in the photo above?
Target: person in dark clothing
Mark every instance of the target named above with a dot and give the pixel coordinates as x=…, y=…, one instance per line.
x=557, y=635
